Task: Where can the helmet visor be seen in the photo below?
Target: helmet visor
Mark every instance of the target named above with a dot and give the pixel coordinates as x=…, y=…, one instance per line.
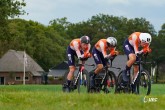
x=109, y=45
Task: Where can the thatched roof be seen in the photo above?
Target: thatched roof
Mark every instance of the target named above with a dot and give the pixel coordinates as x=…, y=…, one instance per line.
x=14, y=61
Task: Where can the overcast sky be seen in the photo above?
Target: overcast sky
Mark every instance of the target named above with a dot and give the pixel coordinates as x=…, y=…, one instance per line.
x=81, y=10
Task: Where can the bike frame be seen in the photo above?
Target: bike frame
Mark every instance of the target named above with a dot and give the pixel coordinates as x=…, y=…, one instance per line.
x=136, y=80
x=101, y=86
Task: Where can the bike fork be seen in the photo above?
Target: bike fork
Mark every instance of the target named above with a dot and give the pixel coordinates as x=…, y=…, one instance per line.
x=76, y=80
x=81, y=78
x=105, y=75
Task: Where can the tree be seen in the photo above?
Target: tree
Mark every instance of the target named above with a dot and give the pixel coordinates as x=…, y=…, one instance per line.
x=8, y=9
x=162, y=31
x=60, y=25
x=140, y=25
x=45, y=45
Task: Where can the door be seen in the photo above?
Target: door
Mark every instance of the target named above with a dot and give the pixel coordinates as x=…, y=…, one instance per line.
x=2, y=80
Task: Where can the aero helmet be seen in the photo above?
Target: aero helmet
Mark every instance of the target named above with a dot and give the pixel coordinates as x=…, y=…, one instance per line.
x=111, y=42
x=85, y=39
x=145, y=38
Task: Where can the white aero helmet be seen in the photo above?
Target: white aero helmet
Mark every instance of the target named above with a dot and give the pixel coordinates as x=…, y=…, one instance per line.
x=111, y=42
x=145, y=38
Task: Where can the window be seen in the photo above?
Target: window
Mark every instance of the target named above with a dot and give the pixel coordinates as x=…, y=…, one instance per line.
x=26, y=78
x=17, y=78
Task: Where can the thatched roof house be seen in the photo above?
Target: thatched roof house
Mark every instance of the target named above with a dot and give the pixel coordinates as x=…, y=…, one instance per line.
x=12, y=69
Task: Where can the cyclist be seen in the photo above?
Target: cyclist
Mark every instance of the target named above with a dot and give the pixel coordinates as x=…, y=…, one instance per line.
x=100, y=55
x=131, y=49
x=79, y=48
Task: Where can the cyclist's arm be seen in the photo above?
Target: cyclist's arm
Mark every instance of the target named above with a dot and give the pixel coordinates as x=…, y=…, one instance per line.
x=83, y=57
x=77, y=49
x=103, y=50
x=113, y=53
x=136, y=44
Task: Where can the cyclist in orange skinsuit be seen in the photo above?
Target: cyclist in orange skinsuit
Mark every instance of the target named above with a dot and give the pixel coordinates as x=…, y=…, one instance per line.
x=131, y=49
x=100, y=55
x=79, y=48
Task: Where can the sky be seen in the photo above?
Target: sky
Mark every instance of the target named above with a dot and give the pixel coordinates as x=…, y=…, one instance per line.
x=76, y=11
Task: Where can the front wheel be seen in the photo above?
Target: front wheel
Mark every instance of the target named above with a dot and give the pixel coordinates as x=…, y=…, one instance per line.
x=144, y=85
x=82, y=82
x=110, y=82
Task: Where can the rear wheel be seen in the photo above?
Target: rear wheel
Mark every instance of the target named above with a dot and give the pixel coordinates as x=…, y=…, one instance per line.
x=144, y=85
x=88, y=82
x=120, y=87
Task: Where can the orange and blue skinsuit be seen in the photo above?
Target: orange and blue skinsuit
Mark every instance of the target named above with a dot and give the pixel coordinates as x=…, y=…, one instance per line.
x=100, y=52
x=132, y=44
x=74, y=49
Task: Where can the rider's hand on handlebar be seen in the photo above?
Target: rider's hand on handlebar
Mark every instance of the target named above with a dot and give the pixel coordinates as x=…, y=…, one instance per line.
x=114, y=53
x=147, y=50
x=87, y=55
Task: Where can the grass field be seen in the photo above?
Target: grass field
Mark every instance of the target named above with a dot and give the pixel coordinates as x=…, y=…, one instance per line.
x=50, y=97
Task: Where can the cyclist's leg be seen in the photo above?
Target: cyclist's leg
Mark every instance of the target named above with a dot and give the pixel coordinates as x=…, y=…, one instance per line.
x=71, y=62
x=98, y=60
x=71, y=72
x=135, y=75
x=129, y=51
